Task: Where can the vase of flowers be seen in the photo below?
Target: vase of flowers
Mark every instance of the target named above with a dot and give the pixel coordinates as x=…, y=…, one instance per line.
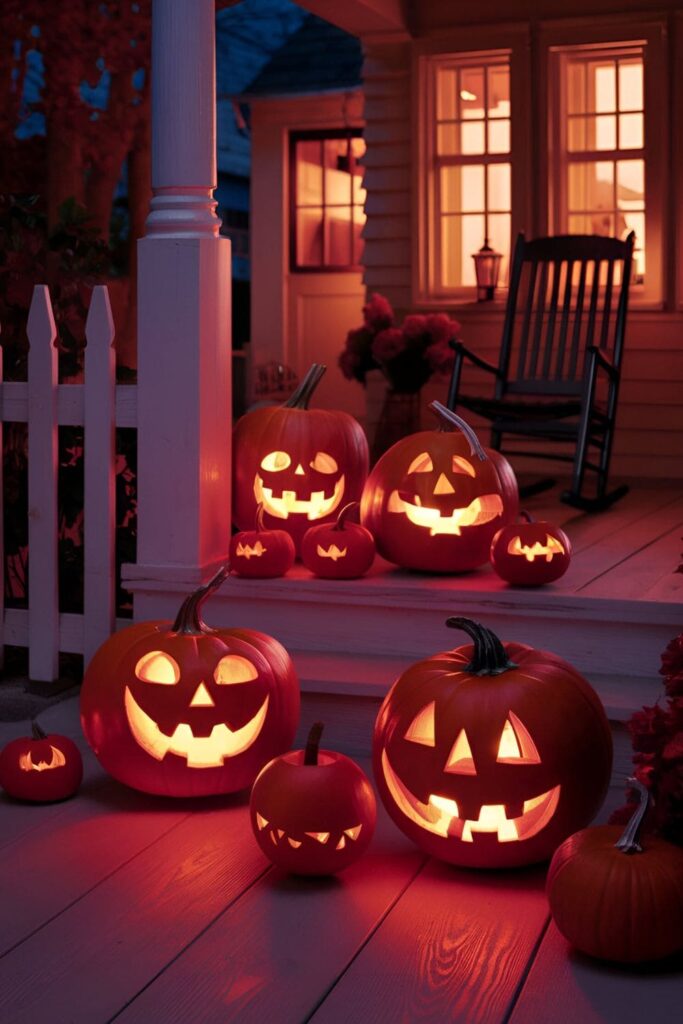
x=406, y=355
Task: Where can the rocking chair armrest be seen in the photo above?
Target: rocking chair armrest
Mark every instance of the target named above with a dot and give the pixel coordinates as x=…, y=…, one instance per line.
x=603, y=362
x=462, y=350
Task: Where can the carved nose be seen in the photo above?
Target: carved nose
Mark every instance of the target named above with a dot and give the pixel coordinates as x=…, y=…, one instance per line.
x=202, y=698
x=443, y=486
x=299, y=471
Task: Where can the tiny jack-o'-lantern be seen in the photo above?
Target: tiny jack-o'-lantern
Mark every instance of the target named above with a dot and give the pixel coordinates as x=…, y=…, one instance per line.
x=436, y=498
x=342, y=551
x=261, y=553
x=313, y=811
x=181, y=709
x=531, y=552
x=301, y=464
x=619, y=897
x=491, y=754
x=41, y=768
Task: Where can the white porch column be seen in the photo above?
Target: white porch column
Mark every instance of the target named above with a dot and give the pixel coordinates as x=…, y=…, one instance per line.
x=184, y=335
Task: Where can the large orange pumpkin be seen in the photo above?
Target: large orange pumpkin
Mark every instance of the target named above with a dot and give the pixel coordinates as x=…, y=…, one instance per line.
x=184, y=710
x=435, y=500
x=301, y=464
x=491, y=754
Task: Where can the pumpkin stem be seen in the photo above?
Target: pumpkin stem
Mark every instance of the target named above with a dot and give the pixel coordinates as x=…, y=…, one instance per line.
x=489, y=657
x=300, y=398
x=313, y=743
x=37, y=732
x=448, y=417
x=188, y=619
x=260, y=512
x=526, y=516
x=628, y=841
x=344, y=515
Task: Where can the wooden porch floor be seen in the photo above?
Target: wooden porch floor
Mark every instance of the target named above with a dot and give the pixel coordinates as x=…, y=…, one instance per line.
x=119, y=906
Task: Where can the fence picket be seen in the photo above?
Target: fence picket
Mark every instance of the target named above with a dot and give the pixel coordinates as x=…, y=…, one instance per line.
x=100, y=484
x=42, y=489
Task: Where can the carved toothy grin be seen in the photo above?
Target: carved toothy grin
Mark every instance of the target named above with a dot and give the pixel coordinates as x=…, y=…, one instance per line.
x=481, y=510
x=315, y=507
x=440, y=814
x=332, y=552
x=278, y=835
x=199, y=751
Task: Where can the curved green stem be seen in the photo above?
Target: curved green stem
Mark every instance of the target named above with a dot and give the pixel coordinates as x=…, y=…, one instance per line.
x=453, y=420
x=344, y=515
x=628, y=841
x=300, y=398
x=489, y=657
x=313, y=743
x=188, y=620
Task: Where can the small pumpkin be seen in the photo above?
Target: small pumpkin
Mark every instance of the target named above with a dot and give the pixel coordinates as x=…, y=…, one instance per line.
x=181, y=709
x=41, y=768
x=530, y=553
x=341, y=551
x=313, y=811
x=435, y=499
x=261, y=553
x=491, y=754
x=301, y=464
x=619, y=897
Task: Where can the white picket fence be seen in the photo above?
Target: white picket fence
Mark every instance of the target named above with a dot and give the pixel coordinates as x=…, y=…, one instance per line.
x=99, y=405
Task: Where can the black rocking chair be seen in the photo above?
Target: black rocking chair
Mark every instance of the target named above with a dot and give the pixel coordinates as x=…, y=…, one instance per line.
x=560, y=357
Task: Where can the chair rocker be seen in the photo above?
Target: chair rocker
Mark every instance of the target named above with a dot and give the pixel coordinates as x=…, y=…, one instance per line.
x=558, y=374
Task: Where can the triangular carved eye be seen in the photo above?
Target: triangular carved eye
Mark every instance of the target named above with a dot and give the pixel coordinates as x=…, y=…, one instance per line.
x=460, y=759
x=516, y=745
x=422, y=464
x=158, y=667
x=421, y=729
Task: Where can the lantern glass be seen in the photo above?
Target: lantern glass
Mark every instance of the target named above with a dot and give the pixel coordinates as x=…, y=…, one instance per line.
x=486, y=268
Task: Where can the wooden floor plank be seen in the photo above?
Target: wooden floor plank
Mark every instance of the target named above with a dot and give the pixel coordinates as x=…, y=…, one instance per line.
x=275, y=953
x=567, y=988
x=89, y=961
x=454, y=948
x=635, y=576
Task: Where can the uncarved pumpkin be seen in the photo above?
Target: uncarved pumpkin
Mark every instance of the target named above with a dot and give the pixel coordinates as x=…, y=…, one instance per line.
x=184, y=710
x=41, y=768
x=435, y=500
x=491, y=754
x=301, y=464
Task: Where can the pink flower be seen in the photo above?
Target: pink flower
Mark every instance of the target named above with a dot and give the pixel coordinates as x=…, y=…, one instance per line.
x=672, y=657
x=440, y=357
x=388, y=344
x=442, y=328
x=414, y=326
x=349, y=363
x=358, y=340
x=377, y=313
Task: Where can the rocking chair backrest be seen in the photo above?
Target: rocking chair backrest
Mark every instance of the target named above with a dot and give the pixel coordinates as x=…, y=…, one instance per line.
x=567, y=292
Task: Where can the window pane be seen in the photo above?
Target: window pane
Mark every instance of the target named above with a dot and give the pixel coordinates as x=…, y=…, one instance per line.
x=630, y=184
x=446, y=94
x=498, y=91
x=631, y=131
x=499, y=136
x=499, y=187
x=338, y=236
x=472, y=187
x=447, y=139
x=636, y=222
x=591, y=186
x=450, y=189
x=577, y=134
x=605, y=85
x=499, y=227
x=471, y=92
x=309, y=237
x=451, y=250
x=601, y=132
x=472, y=137
x=358, y=225
x=576, y=88
x=337, y=177
x=309, y=174
x=631, y=85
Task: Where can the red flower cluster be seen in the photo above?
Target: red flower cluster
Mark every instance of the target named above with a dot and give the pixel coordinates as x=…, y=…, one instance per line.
x=407, y=355
x=657, y=738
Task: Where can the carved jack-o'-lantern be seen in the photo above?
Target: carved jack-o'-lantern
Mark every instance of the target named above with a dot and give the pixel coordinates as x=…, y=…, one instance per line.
x=261, y=553
x=530, y=553
x=436, y=498
x=342, y=551
x=184, y=710
x=41, y=768
x=490, y=755
x=313, y=812
x=301, y=464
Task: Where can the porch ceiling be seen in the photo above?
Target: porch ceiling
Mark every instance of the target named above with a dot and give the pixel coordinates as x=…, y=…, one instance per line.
x=361, y=17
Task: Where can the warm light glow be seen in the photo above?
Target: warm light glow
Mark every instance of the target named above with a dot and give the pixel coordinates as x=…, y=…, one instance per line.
x=460, y=759
x=465, y=94
x=278, y=835
x=322, y=837
x=491, y=819
x=444, y=486
x=275, y=462
x=516, y=743
x=56, y=761
x=548, y=550
x=315, y=507
x=332, y=552
x=354, y=832
x=324, y=463
x=481, y=510
x=247, y=551
x=199, y=751
x=341, y=844
x=233, y=668
x=261, y=821
x=202, y=698
x=421, y=729
x=421, y=464
x=461, y=465
x=157, y=667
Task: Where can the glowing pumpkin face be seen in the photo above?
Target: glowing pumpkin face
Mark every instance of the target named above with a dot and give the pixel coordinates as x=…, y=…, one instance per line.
x=530, y=553
x=313, y=812
x=261, y=553
x=342, y=551
x=301, y=465
x=41, y=768
x=183, y=710
x=489, y=756
x=435, y=499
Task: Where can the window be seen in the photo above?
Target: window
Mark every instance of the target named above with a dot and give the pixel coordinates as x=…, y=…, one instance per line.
x=599, y=173
x=327, y=198
x=470, y=169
